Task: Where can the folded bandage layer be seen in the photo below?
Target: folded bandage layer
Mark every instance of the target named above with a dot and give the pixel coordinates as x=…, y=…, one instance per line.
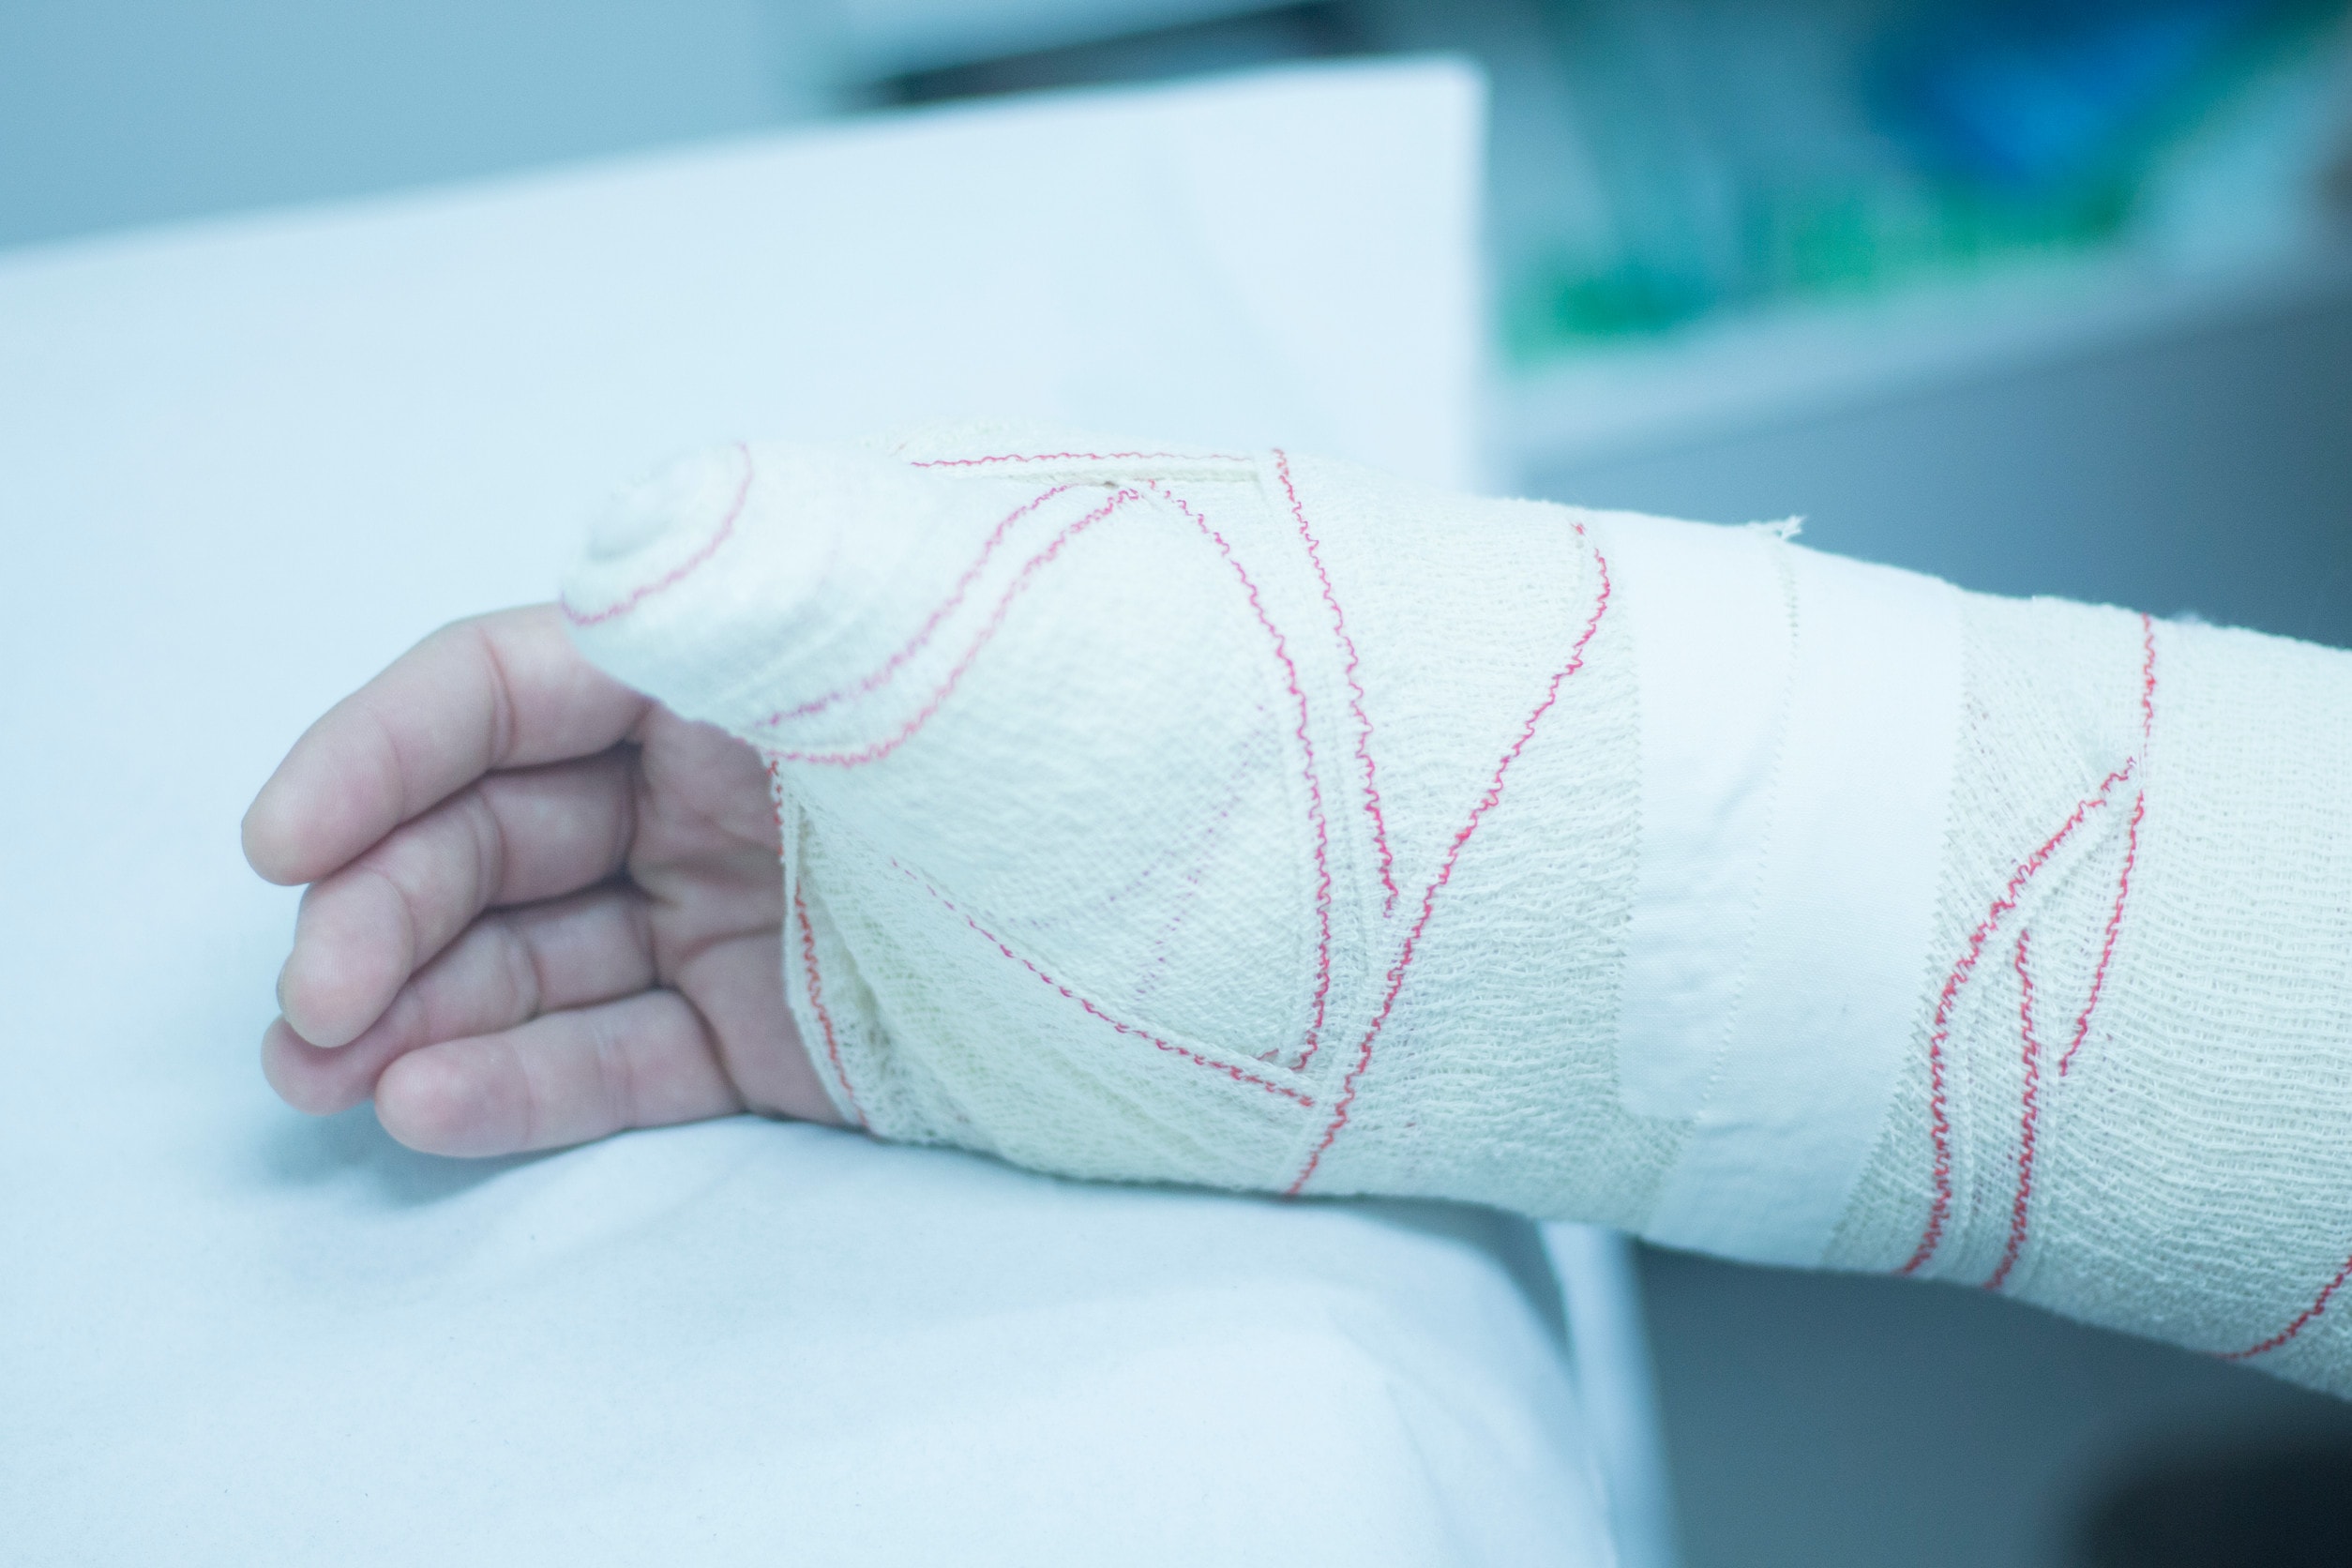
x=1265, y=823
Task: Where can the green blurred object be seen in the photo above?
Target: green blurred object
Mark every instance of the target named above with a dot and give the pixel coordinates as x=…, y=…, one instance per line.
x=1751, y=152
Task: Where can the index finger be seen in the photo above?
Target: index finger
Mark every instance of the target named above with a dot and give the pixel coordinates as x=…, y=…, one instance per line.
x=501, y=690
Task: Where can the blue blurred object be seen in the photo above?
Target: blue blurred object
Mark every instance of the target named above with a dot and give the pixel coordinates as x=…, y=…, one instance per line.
x=1736, y=155
x=2041, y=95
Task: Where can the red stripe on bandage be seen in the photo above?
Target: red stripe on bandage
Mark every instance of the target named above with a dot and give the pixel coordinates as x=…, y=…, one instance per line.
x=1445, y=874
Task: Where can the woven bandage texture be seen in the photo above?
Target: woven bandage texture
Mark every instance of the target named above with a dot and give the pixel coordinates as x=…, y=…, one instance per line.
x=1266, y=823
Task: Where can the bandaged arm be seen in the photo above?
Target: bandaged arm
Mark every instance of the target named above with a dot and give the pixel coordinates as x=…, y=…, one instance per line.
x=1266, y=823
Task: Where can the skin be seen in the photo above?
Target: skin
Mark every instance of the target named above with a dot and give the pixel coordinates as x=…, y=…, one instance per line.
x=540, y=909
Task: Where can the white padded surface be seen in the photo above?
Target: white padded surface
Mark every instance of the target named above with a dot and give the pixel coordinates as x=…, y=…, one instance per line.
x=246, y=464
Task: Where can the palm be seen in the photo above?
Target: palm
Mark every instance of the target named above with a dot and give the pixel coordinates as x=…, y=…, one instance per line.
x=705, y=854
x=542, y=908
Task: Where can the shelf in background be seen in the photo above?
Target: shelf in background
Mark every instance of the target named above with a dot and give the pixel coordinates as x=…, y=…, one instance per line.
x=1738, y=373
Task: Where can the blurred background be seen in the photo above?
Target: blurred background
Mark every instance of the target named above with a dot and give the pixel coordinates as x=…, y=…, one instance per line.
x=2044, y=297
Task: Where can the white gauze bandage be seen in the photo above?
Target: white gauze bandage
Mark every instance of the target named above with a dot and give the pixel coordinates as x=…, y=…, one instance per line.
x=1262, y=822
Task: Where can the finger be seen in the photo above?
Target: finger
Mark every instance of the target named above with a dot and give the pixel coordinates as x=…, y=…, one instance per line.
x=563, y=1078
x=512, y=839
x=507, y=970
x=498, y=691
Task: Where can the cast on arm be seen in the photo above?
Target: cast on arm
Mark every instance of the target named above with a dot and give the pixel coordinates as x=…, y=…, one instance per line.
x=1263, y=821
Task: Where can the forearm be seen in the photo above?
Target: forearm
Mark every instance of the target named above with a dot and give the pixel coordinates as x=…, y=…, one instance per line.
x=1272, y=824
x=2131, y=1077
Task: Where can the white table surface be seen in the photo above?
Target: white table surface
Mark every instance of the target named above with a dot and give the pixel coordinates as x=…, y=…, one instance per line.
x=242, y=465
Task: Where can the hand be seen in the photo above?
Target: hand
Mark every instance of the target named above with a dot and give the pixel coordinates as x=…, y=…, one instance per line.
x=542, y=908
